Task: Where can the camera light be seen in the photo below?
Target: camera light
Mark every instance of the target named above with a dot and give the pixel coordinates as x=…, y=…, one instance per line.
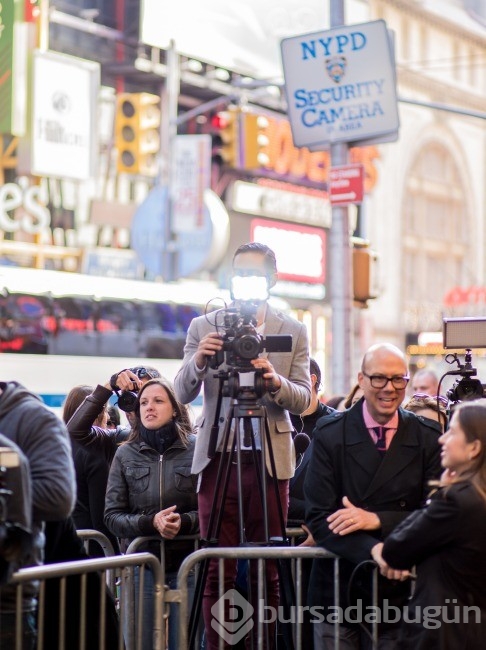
x=250, y=288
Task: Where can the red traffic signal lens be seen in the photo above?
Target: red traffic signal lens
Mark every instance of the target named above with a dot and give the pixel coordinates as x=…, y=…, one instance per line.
x=220, y=121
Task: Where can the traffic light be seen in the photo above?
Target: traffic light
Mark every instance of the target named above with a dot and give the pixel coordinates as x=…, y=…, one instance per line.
x=365, y=273
x=254, y=140
x=225, y=132
x=137, y=133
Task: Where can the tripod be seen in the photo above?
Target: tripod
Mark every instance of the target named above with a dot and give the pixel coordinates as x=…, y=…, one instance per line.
x=246, y=435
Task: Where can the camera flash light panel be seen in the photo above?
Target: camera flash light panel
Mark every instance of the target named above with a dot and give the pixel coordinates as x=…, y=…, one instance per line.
x=464, y=333
x=249, y=288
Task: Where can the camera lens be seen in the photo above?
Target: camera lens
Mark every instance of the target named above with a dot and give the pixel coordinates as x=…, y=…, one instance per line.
x=127, y=401
x=247, y=346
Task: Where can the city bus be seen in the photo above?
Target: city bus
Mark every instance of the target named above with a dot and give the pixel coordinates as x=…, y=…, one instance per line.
x=59, y=330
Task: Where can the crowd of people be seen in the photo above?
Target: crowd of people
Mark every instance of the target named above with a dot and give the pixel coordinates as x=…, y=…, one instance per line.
x=384, y=480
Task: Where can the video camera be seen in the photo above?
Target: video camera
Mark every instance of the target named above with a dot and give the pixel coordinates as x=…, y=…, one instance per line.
x=464, y=333
x=241, y=341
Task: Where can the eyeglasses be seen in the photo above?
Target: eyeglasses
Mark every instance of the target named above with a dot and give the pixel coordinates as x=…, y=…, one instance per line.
x=437, y=398
x=380, y=381
x=143, y=372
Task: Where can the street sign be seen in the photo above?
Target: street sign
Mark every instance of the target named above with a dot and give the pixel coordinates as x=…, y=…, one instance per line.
x=190, y=179
x=346, y=184
x=197, y=250
x=341, y=84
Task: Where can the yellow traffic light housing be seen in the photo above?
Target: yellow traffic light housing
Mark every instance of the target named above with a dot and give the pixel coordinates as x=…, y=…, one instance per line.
x=365, y=273
x=255, y=140
x=225, y=135
x=137, y=133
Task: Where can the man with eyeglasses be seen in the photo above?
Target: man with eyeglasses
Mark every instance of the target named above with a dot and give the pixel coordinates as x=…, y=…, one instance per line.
x=370, y=468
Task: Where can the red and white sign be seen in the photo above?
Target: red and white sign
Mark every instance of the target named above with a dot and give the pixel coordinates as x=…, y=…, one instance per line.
x=190, y=179
x=346, y=184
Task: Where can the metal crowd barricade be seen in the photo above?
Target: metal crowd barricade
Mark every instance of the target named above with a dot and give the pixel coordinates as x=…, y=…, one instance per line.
x=88, y=535
x=130, y=609
x=168, y=596
x=259, y=554
x=121, y=563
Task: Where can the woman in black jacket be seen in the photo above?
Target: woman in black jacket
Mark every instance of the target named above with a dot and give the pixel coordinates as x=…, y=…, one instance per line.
x=445, y=541
x=91, y=471
x=151, y=491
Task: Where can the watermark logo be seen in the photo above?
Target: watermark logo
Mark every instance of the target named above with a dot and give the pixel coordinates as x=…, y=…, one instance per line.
x=232, y=616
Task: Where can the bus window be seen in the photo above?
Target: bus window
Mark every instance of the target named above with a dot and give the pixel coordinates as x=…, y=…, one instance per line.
x=66, y=315
x=116, y=315
x=167, y=316
x=75, y=314
x=185, y=314
x=21, y=324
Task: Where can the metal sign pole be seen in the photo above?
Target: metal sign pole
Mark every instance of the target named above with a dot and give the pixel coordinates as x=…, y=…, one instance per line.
x=169, y=104
x=341, y=268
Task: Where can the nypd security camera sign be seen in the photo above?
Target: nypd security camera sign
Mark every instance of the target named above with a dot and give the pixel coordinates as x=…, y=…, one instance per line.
x=340, y=84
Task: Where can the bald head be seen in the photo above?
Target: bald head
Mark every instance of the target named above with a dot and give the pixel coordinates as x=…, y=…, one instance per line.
x=383, y=380
x=425, y=381
x=380, y=351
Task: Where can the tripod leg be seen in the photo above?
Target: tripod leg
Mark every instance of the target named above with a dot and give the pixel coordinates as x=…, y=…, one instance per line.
x=266, y=586
x=268, y=443
x=213, y=528
x=287, y=592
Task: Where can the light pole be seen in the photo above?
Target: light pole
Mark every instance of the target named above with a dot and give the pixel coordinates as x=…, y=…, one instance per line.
x=340, y=254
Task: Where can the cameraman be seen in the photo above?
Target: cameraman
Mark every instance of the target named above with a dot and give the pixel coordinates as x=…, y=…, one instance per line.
x=287, y=385
x=43, y=439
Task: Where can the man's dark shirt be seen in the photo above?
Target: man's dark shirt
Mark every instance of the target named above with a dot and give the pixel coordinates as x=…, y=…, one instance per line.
x=306, y=425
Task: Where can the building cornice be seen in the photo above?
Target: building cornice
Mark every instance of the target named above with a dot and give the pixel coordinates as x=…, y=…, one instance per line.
x=438, y=91
x=415, y=9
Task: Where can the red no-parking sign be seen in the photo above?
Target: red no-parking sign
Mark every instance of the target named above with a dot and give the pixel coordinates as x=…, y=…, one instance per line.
x=346, y=184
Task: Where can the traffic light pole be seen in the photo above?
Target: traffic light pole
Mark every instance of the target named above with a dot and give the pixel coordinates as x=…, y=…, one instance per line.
x=341, y=265
x=170, y=121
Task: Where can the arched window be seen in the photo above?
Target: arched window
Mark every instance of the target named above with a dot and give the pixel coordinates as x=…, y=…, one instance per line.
x=437, y=237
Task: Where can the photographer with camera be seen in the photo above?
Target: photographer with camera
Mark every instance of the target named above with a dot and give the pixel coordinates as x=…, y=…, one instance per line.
x=81, y=425
x=151, y=492
x=286, y=383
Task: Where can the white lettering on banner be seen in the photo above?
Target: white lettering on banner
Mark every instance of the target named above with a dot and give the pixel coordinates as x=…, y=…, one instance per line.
x=36, y=216
x=251, y=198
x=304, y=290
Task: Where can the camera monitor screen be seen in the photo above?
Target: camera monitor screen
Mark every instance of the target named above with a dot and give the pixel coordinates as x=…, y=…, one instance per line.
x=464, y=333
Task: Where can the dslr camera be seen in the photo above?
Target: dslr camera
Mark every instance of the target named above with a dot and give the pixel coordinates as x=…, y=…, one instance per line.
x=127, y=399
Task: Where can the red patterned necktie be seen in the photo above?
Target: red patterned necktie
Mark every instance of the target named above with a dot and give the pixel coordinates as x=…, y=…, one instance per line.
x=380, y=438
